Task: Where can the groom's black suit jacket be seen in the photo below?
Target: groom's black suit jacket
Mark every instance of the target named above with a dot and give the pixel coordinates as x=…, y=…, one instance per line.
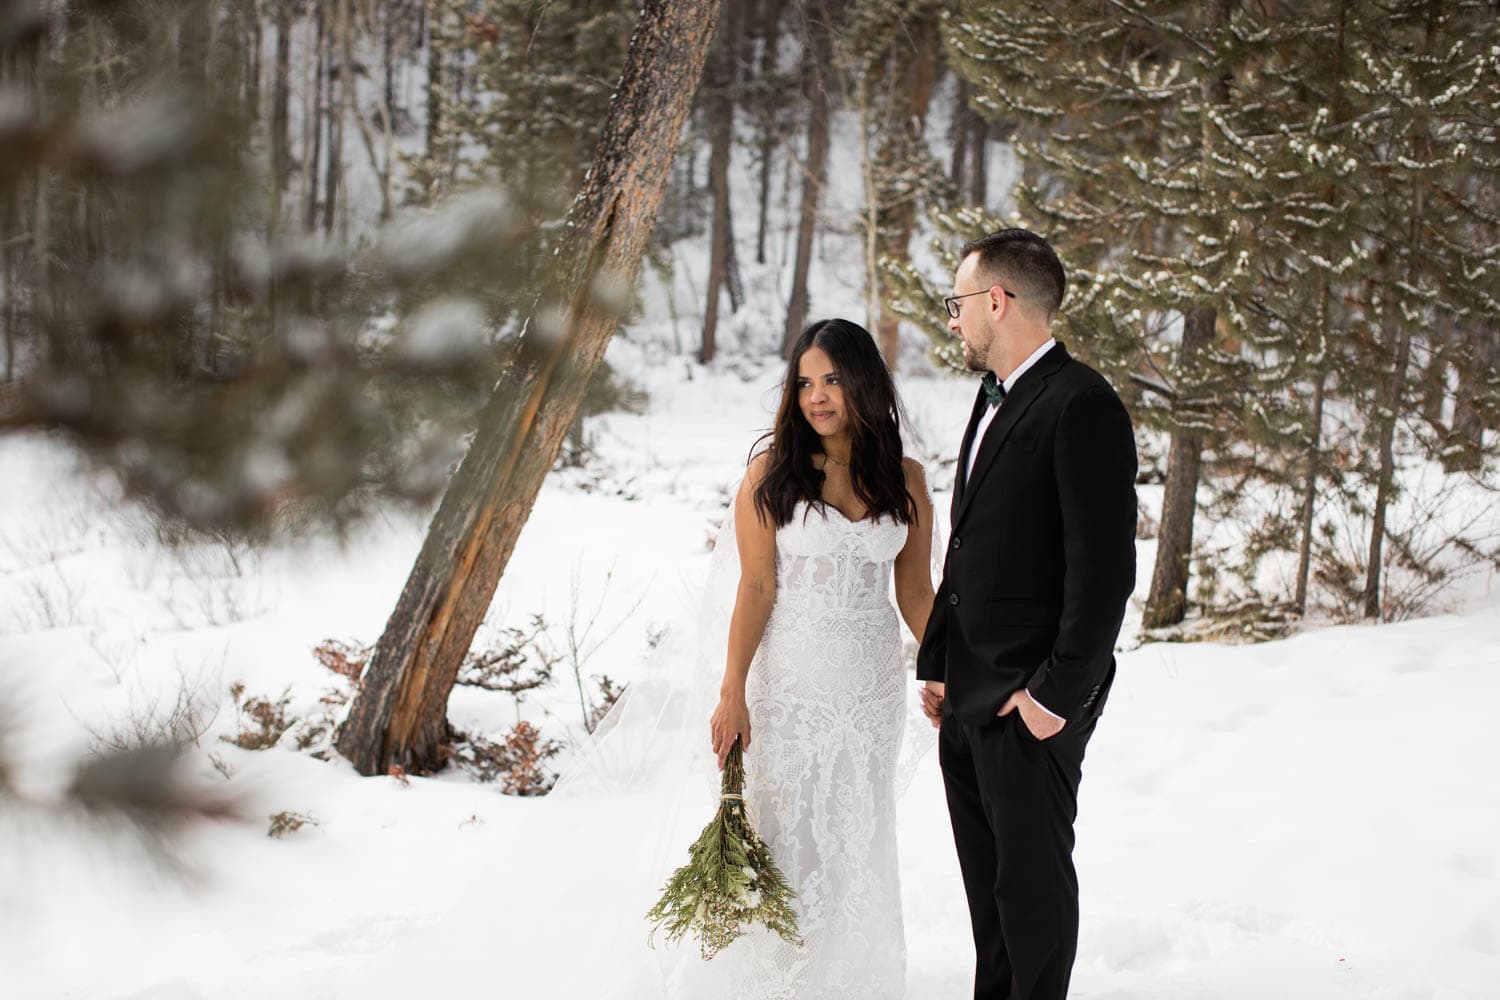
x=1041, y=556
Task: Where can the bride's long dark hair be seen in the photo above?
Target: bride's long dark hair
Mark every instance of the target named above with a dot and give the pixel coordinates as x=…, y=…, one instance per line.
x=874, y=415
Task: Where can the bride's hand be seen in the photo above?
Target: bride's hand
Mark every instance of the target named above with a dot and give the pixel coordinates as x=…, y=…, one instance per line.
x=730, y=719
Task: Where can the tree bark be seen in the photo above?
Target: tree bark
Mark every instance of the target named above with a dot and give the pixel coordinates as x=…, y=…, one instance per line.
x=812, y=178
x=434, y=76
x=1167, y=602
x=1388, y=407
x=916, y=69
x=959, y=129
x=334, y=178
x=281, y=97
x=1322, y=367
x=1398, y=338
x=312, y=143
x=398, y=717
x=771, y=35
x=1467, y=437
x=979, y=171
x=719, y=111
x=1310, y=491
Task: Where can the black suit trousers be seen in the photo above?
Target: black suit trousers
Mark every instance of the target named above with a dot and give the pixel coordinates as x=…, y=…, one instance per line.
x=1013, y=800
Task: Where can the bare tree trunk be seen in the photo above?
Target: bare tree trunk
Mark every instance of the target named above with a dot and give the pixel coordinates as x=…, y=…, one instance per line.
x=812, y=179
x=734, y=283
x=338, y=72
x=916, y=70
x=1467, y=438
x=1323, y=366
x=381, y=169
x=312, y=143
x=1167, y=602
x=720, y=114
x=1398, y=338
x=398, y=717
x=435, y=53
x=281, y=97
x=979, y=170
x=253, y=60
x=1388, y=409
x=771, y=35
x=1310, y=491
x=959, y=130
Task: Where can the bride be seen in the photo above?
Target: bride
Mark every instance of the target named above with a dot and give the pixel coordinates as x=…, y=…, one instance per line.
x=813, y=682
x=795, y=649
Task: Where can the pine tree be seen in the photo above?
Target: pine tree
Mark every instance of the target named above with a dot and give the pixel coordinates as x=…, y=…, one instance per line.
x=235, y=375
x=1253, y=228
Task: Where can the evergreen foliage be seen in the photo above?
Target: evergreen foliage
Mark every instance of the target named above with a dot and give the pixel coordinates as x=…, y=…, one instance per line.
x=1267, y=213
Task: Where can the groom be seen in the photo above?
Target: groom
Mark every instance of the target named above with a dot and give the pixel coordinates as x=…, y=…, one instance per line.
x=1018, y=654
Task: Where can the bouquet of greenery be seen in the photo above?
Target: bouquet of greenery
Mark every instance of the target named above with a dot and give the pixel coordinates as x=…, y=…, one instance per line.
x=730, y=878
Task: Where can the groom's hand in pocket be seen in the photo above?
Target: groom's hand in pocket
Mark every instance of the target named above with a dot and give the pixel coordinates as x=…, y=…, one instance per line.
x=1042, y=723
x=933, y=693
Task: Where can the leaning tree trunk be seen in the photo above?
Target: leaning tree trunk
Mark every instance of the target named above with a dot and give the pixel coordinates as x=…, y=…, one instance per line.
x=399, y=715
x=812, y=180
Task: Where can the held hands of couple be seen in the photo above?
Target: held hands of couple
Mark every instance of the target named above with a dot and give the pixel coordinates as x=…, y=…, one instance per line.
x=932, y=702
x=1043, y=724
x=730, y=719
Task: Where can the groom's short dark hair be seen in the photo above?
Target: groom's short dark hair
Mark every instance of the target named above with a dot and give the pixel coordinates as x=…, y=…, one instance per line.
x=1024, y=263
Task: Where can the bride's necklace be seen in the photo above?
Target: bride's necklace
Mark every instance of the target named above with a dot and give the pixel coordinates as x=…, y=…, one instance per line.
x=827, y=458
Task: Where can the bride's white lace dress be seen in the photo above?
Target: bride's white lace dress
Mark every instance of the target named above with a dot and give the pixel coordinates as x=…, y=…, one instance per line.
x=827, y=694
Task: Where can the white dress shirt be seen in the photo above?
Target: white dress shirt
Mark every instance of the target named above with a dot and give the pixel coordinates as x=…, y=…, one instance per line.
x=988, y=417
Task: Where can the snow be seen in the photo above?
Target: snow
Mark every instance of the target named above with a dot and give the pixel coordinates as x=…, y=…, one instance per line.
x=1313, y=817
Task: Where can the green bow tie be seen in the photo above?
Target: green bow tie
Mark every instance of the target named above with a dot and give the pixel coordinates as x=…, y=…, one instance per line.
x=993, y=388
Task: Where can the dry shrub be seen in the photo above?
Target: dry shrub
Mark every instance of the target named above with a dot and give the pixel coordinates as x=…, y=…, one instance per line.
x=519, y=762
x=262, y=721
x=346, y=659
x=609, y=693
x=286, y=822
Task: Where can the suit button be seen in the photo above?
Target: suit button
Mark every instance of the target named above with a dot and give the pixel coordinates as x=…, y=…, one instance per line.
x=957, y=542
x=952, y=598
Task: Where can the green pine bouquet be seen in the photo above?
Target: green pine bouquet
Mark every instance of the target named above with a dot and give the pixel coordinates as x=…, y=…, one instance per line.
x=730, y=879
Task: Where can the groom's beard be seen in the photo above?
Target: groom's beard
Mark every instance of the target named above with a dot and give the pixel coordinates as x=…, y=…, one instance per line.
x=974, y=360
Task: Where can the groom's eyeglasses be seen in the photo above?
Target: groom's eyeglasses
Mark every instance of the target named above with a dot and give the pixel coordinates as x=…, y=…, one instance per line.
x=952, y=301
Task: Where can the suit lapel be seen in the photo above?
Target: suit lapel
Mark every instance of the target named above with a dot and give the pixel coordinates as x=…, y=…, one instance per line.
x=960, y=481
x=1027, y=389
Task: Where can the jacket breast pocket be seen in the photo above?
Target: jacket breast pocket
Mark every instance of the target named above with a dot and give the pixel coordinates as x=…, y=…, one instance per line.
x=1023, y=443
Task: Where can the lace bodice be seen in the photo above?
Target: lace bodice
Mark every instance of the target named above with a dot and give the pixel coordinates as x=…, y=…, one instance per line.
x=826, y=562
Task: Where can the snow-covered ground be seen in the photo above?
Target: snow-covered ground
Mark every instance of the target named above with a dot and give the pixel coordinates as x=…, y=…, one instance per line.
x=1314, y=817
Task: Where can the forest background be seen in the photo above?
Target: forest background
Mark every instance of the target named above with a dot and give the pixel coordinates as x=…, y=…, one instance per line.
x=276, y=266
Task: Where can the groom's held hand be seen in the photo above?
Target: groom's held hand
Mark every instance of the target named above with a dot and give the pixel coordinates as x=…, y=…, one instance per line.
x=1042, y=723
x=932, y=702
